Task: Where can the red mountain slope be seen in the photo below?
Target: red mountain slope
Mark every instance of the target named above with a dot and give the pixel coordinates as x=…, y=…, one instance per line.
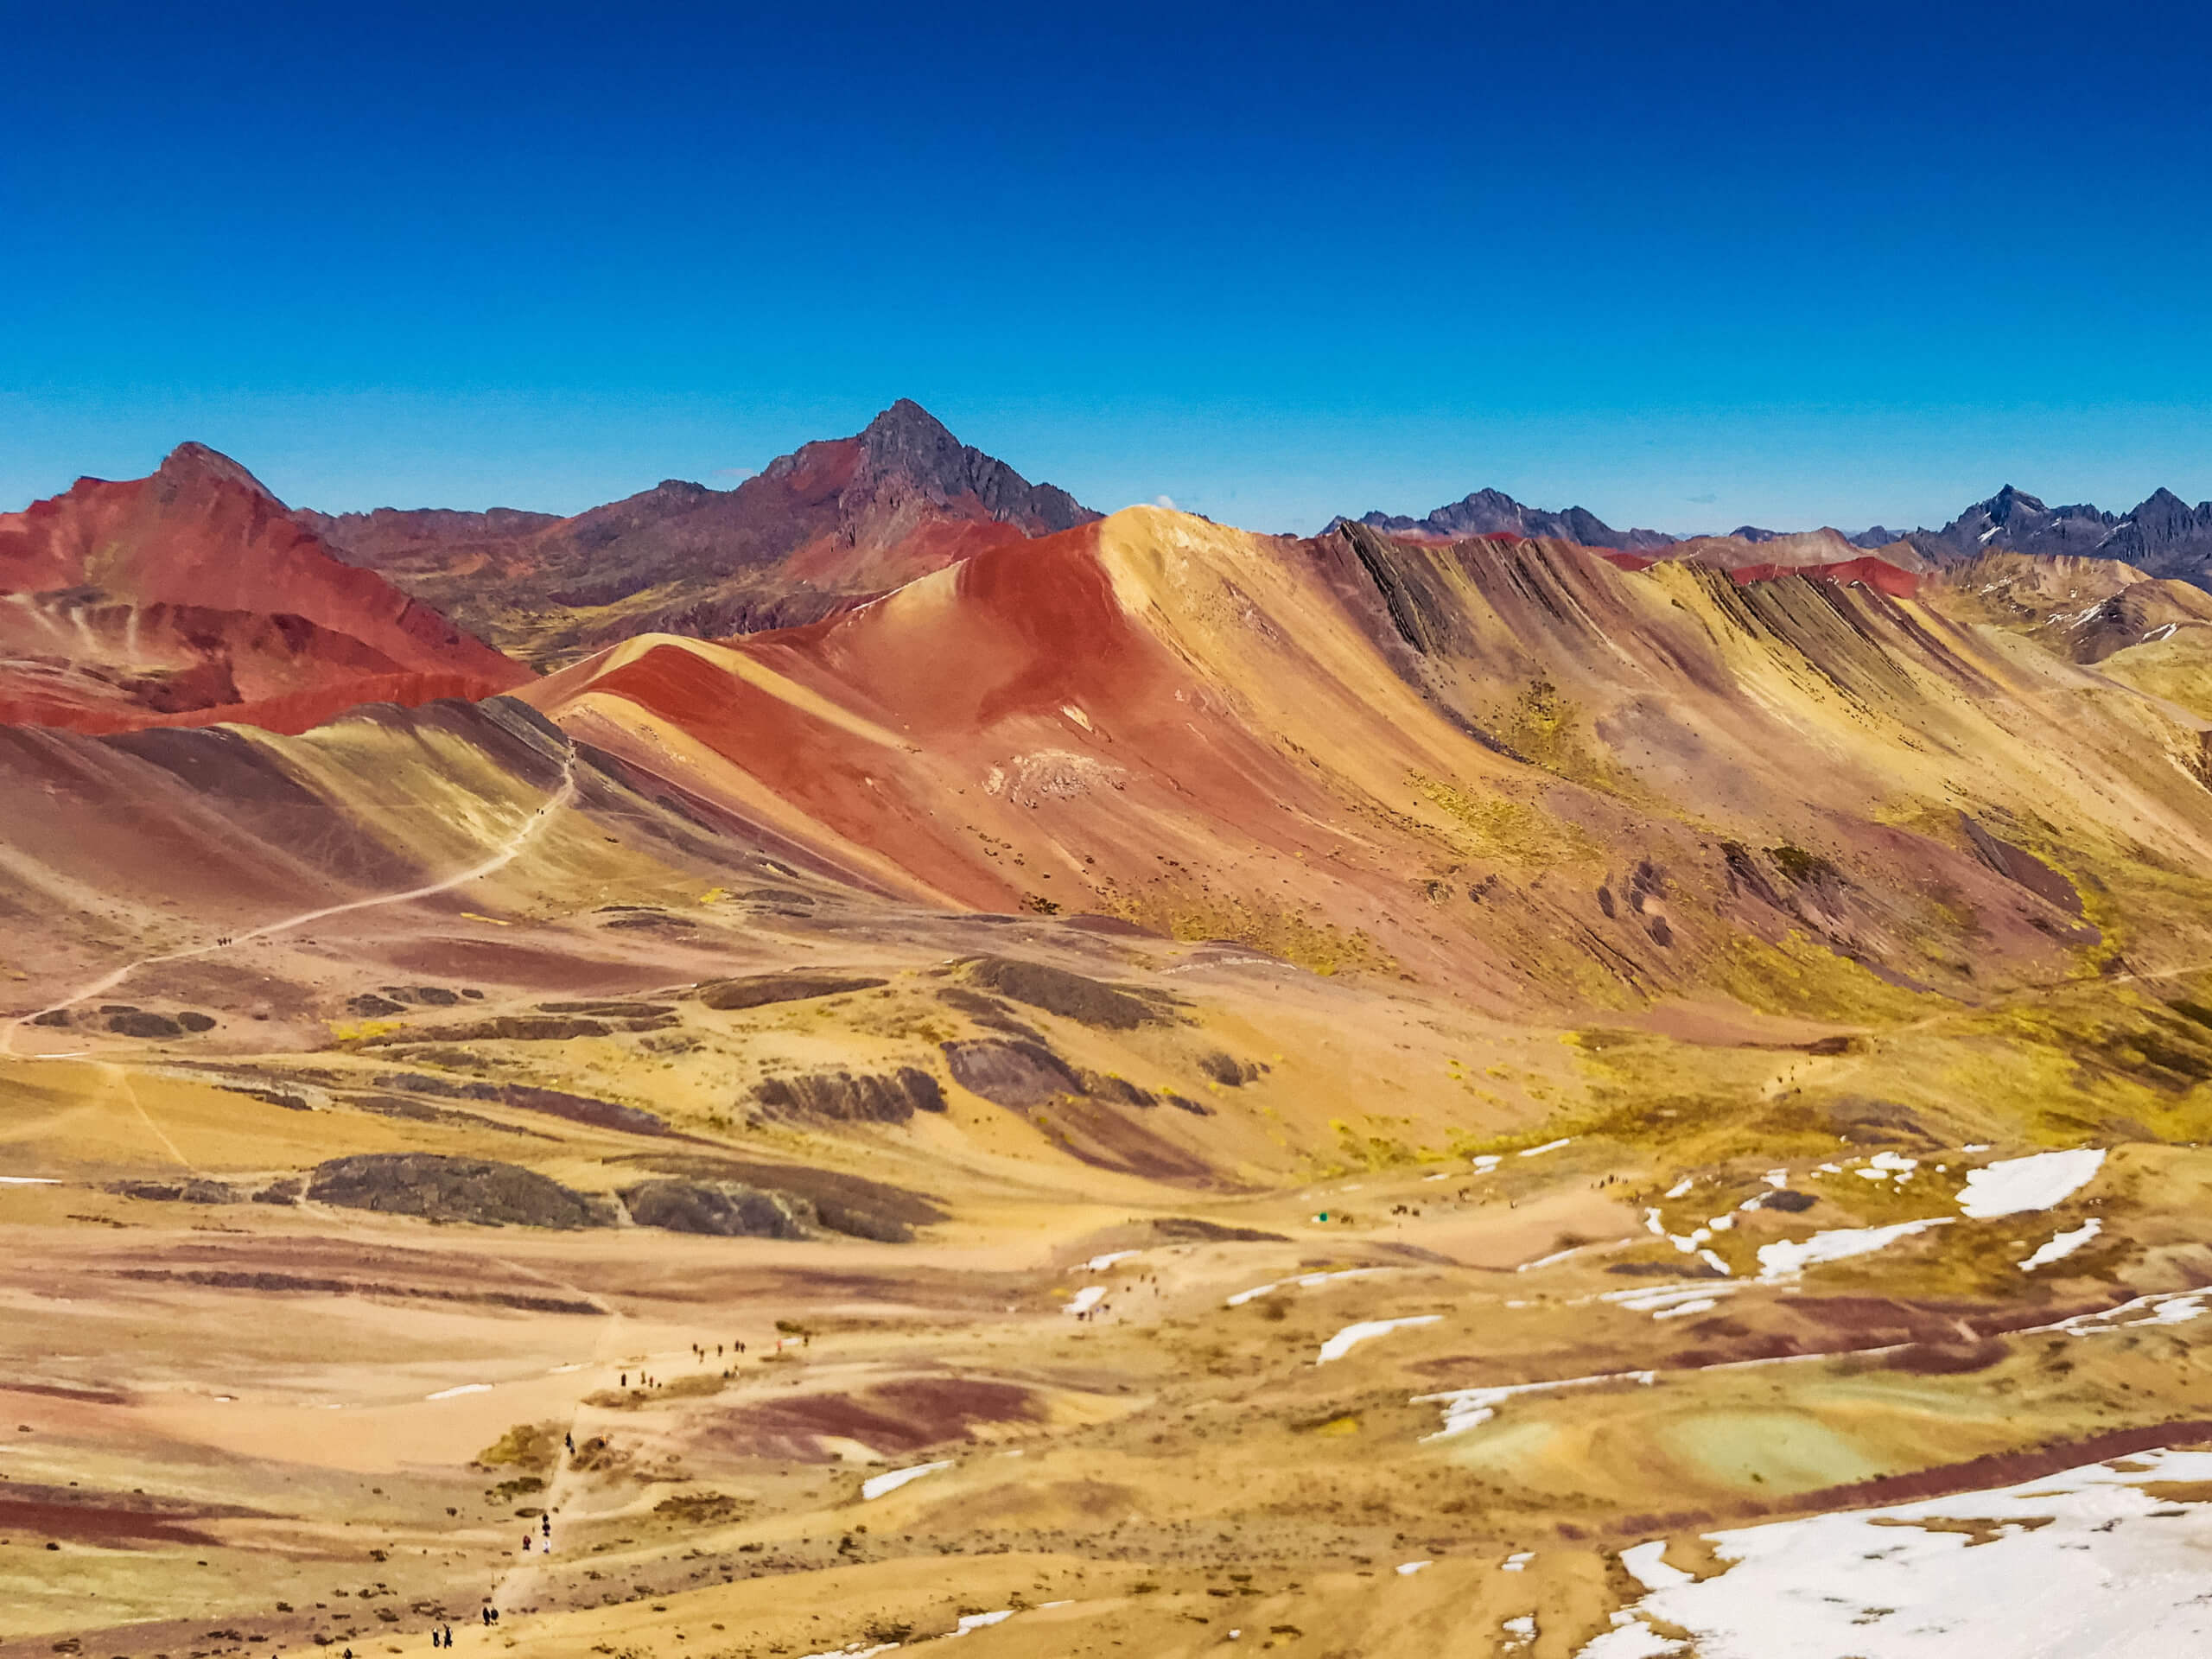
x=194, y=595
x=1509, y=765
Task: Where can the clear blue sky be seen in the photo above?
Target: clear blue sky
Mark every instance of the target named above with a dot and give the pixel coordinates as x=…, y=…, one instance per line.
x=1688, y=266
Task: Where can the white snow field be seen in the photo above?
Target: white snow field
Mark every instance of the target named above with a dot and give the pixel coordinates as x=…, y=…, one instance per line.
x=2013, y=1184
x=2084, y=1564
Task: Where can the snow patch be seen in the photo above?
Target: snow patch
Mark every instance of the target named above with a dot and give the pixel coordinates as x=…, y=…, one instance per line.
x=1786, y=1258
x=1632, y=1639
x=1304, y=1282
x=1646, y=1564
x=876, y=1485
x=2059, y=1246
x=2014, y=1184
x=2081, y=1565
x=1654, y=1299
x=1466, y=1409
x=1352, y=1335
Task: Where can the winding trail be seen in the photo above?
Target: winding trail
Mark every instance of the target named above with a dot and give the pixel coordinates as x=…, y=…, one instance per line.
x=506, y=853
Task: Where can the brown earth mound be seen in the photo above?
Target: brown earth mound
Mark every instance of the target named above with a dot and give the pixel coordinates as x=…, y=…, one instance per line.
x=758, y=990
x=522, y=1029
x=2018, y=864
x=1189, y=1230
x=554, y=1102
x=893, y=1418
x=1070, y=995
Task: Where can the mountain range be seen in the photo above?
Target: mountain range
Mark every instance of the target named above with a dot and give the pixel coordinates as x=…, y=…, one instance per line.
x=2162, y=536
x=828, y=526
x=1492, y=512
x=195, y=596
x=1119, y=1085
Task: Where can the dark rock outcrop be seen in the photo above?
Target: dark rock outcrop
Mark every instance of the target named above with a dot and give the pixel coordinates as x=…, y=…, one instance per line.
x=1012, y=1073
x=439, y=1188
x=718, y=1209
x=847, y=1097
x=140, y=1023
x=1228, y=1071
x=841, y=1203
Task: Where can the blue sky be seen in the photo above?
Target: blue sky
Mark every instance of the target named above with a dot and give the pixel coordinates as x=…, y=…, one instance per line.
x=1687, y=266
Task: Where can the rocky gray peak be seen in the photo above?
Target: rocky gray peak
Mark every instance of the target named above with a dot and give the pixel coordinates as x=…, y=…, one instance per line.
x=191, y=462
x=2009, y=504
x=2165, y=515
x=2012, y=521
x=907, y=439
x=2166, y=536
x=906, y=442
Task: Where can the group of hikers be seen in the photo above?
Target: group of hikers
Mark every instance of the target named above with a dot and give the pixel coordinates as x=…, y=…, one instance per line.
x=698, y=1352
x=542, y=1539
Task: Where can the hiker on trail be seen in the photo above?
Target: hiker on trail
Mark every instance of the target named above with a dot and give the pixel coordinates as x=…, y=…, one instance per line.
x=626, y=1380
x=526, y=1543
x=487, y=1615
x=545, y=1525
x=571, y=1439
